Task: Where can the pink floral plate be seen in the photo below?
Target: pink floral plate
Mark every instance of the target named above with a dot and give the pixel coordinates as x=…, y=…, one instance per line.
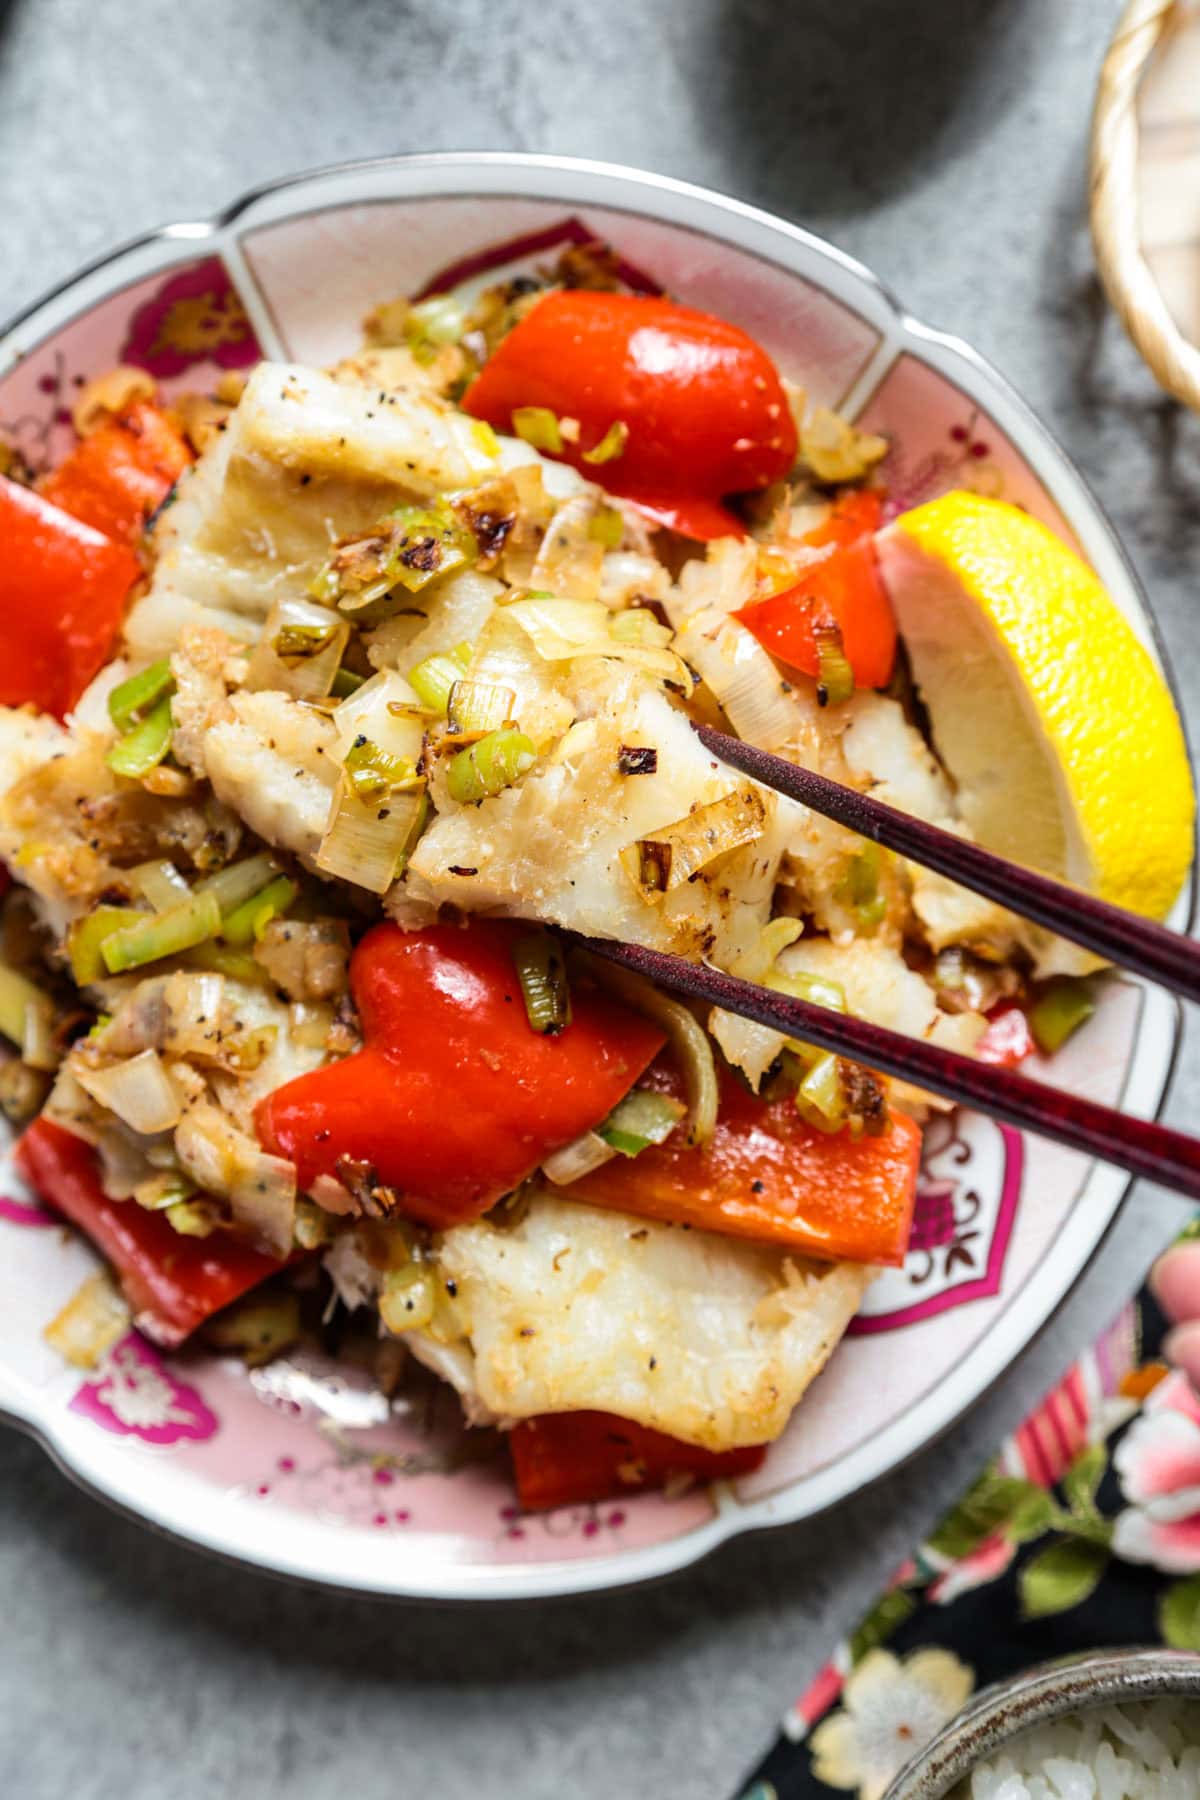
x=303, y=1468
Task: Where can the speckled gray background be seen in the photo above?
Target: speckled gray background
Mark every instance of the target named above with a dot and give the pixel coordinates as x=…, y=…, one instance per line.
x=942, y=141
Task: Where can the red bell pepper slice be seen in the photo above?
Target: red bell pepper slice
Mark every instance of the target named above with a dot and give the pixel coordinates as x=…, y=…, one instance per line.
x=115, y=478
x=1008, y=1039
x=575, y=1458
x=454, y=1098
x=841, y=586
x=693, y=517
x=703, y=404
x=172, y=1283
x=63, y=588
x=767, y=1174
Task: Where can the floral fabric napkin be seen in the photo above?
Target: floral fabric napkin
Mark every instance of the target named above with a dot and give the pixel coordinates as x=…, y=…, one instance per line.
x=1084, y=1532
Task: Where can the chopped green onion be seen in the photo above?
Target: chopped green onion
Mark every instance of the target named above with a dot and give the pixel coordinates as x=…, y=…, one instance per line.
x=835, y=677
x=432, y=679
x=607, y=526
x=1060, y=1010
x=162, y=934
x=642, y=1118
x=246, y=924
x=27, y=1018
x=134, y=698
x=611, y=445
x=373, y=772
x=489, y=766
x=858, y=890
x=345, y=683
x=542, y=974
x=474, y=708
x=240, y=880
x=539, y=427
x=86, y=936
x=144, y=745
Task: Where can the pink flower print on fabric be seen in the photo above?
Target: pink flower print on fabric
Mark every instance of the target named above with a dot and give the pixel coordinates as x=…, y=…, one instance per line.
x=1158, y=1463
x=134, y=1394
x=194, y=317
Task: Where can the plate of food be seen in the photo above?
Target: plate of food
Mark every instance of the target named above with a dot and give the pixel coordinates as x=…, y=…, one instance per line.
x=370, y=553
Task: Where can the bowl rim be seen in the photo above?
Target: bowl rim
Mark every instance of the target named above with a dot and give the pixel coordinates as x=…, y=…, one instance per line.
x=667, y=200
x=1007, y=1709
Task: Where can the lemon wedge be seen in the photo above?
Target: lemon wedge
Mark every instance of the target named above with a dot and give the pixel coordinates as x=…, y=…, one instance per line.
x=1051, y=716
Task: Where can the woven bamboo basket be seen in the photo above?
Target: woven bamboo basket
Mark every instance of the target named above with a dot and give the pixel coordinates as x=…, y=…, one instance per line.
x=1145, y=186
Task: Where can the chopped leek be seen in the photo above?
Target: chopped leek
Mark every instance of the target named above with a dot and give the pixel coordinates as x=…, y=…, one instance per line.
x=485, y=437
x=345, y=683
x=369, y=845
x=160, y=883
x=138, y=1090
x=539, y=427
x=432, y=679
x=689, y=1040
x=821, y=1094
x=489, y=766
x=428, y=324
x=257, y=1328
x=246, y=923
x=474, y=708
x=90, y=1323
x=193, y=1218
x=607, y=526
x=144, y=745
x=162, y=934
x=232, y=885
x=577, y=1159
x=638, y=625
x=134, y=698
x=373, y=773
x=611, y=445
x=818, y=990
x=408, y=1297
x=163, y=1191
x=835, y=677
x=542, y=974
x=1060, y=1009
x=677, y=853
x=408, y=549
x=858, y=890
x=642, y=1118
x=26, y=1018
x=300, y=650
x=86, y=936
x=216, y=958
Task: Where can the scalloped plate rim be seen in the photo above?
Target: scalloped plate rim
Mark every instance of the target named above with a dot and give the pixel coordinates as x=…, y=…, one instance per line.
x=580, y=181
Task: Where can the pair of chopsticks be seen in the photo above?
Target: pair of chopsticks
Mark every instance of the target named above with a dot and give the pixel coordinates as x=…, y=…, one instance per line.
x=1166, y=957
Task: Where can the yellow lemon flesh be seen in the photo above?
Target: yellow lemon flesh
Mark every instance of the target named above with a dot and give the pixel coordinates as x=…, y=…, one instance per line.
x=1049, y=713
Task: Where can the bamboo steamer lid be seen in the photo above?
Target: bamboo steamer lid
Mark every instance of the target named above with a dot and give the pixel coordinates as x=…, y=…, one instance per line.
x=1145, y=186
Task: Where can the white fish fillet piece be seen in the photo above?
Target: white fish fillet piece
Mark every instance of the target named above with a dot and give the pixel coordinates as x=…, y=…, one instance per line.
x=271, y=762
x=709, y=1339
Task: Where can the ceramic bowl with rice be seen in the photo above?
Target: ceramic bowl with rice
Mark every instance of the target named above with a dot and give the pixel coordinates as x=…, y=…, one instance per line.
x=1114, y=1725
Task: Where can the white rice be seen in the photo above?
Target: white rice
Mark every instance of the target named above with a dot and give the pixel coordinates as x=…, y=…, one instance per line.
x=1149, y=1750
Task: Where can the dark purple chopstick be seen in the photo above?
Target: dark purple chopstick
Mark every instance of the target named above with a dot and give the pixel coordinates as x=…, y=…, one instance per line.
x=1165, y=957
x=1138, y=1145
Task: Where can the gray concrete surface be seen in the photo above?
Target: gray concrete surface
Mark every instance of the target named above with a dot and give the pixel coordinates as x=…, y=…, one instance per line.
x=943, y=142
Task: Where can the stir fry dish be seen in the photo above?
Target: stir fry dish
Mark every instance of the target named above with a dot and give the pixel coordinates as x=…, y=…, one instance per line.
x=341, y=705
